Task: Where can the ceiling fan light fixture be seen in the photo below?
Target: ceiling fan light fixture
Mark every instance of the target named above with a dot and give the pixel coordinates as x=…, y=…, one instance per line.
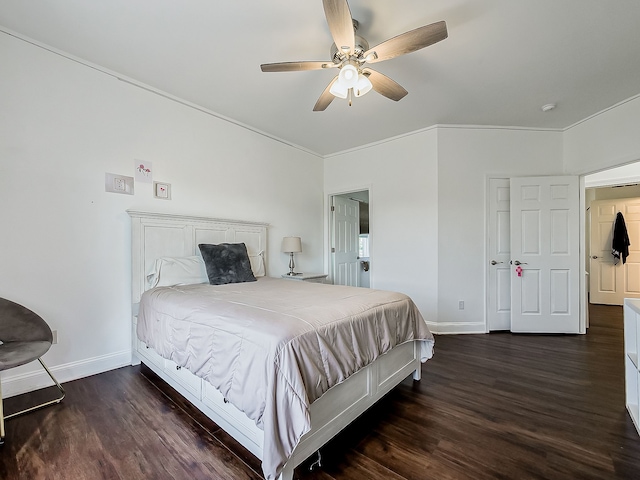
x=338, y=90
x=350, y=52
x=348, y=76
x=363, y=86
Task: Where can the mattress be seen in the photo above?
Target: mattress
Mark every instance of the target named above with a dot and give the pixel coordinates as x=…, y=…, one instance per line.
x=274, y=346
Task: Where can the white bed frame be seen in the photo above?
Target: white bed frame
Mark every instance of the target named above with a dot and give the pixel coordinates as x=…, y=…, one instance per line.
x=156, y=235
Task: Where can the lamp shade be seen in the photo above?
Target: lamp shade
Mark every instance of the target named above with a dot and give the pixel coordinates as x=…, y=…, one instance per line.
x=363, y=86
x=291, y=244
x=338, y=90
x=348, y=76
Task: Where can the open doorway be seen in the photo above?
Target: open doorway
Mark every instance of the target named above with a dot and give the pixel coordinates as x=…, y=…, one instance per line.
x=608, y=193
x=350, y=239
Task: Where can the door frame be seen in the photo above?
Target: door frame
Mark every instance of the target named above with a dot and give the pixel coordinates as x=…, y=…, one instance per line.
x=583, y=215
x=583, y=300
x=329, y=228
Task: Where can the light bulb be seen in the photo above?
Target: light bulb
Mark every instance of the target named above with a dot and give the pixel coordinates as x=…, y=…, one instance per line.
x=363, y=86
x=348, y=76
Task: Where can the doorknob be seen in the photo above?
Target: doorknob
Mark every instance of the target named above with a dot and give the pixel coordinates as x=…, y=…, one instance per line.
x=594, y=257
x=516, y=262
x=493, y=262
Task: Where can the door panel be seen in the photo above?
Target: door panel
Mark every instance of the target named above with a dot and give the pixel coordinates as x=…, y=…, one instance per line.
x=530, y=293
x=545, y=238
x=530, y=238
x=503, y=280
x=560, y=283
x=607, y=278
x=632, y=279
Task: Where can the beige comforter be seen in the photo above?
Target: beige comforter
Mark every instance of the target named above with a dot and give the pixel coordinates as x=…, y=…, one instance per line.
x=274, y=346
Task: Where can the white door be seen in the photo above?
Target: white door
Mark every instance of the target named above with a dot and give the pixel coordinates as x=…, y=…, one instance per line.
x=346, y=230
x=611, y=283
x=545, y=242
x=499, y=250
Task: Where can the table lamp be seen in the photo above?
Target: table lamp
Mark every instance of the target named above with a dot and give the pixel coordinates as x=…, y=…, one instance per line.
x=291, y=245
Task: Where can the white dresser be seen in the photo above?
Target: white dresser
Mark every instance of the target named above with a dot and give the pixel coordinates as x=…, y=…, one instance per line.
x=631, y=348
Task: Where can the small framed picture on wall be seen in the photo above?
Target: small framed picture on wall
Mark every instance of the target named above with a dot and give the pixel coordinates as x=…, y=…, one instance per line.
x=162, y=190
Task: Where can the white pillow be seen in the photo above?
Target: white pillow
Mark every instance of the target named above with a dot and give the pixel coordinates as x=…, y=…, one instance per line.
x=257, y=264
x=169, y=271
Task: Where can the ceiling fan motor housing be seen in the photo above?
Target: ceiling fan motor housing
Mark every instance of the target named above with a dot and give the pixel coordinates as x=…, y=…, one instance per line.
x=361, y=46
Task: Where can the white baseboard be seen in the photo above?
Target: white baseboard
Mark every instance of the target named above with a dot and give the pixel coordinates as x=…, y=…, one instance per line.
x=454, y=328
x=28, y=382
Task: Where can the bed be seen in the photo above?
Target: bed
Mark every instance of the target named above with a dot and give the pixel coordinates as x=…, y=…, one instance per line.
x=312, y=356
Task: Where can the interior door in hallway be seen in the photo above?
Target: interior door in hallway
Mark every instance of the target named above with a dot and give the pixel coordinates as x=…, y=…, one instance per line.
x=610, y=283
x=545, y=244
x=346, y=229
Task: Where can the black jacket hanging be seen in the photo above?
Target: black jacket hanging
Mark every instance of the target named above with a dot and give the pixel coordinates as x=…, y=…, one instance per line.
x=620, y=244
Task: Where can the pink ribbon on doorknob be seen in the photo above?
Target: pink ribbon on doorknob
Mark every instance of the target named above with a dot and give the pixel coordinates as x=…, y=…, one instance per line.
x=519, y=270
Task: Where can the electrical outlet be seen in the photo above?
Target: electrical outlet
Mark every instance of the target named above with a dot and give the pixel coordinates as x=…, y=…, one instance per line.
x=54, y=333
x=461, y=305
x=118, y=183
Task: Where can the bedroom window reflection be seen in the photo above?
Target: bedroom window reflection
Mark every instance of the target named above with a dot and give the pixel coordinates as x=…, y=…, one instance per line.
x=363, y=250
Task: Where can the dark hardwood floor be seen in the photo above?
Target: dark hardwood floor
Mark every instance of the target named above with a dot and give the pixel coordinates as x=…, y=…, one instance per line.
x=488, y=406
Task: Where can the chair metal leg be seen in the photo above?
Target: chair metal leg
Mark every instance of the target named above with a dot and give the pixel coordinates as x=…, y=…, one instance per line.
x=31, y=409
x=1, y=417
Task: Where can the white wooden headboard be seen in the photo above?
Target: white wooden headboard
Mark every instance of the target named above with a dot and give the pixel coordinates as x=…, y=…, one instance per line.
x=156, y=235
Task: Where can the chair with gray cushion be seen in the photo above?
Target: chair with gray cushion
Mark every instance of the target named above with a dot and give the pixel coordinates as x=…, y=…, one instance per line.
x=24, y=337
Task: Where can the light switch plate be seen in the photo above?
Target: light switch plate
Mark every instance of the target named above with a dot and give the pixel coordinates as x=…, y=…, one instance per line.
x=118, y=184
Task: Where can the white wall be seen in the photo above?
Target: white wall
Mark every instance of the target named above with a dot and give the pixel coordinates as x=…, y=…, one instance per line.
x=428, y=210
x=608, y=139
x=402, y=176
x=65, y=242
x=466, y=158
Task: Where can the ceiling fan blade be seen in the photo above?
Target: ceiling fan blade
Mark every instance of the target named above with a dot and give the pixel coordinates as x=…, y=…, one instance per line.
x=326, y=98
x=340, y=24
x=409, y=42
x=295, y=66
x=384, y=85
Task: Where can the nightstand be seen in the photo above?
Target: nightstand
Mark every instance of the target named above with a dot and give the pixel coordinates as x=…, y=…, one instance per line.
x=308, y=277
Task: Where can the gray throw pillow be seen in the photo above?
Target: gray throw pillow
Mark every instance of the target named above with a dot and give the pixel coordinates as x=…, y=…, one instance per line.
x=227, y=263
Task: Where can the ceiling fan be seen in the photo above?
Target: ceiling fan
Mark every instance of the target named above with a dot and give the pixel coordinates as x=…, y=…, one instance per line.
x=350, y=53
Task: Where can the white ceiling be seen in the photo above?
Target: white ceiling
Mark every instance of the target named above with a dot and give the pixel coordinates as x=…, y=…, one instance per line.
x=503, y=59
